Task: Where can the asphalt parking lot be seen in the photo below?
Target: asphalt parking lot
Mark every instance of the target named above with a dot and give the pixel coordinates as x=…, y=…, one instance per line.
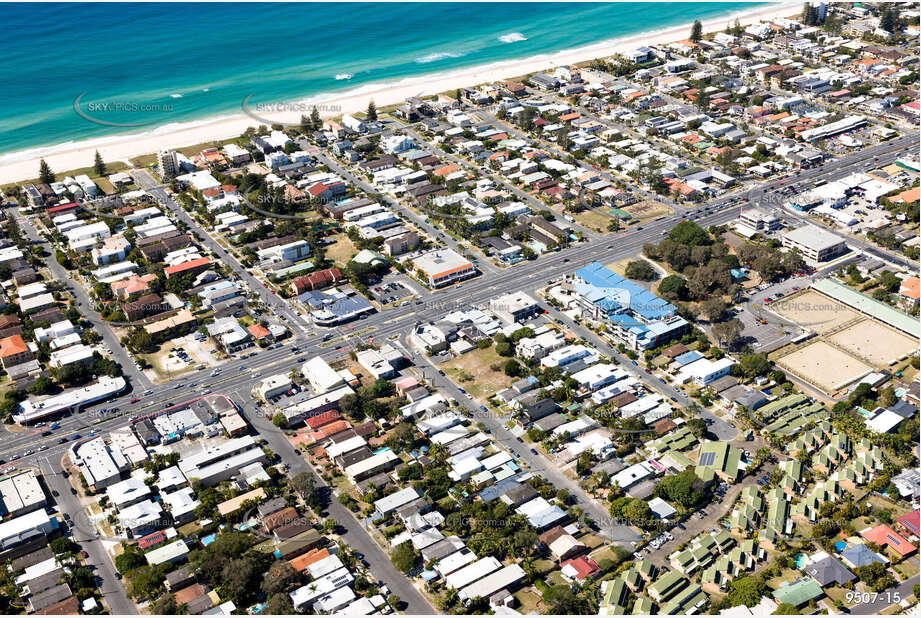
x=390, y=290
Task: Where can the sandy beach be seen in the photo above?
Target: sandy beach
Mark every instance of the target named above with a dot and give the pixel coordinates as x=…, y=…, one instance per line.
x=21, y=165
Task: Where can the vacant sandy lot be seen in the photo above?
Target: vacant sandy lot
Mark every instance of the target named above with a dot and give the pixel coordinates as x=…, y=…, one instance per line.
x=647, y=209
x=473, y=372
x=824, y=365
x=814, y=311
x=874, y=342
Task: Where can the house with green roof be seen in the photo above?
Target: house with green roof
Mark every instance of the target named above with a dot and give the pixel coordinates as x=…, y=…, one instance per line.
x=799, y=592
x=683, y=561
x=837, y=451
x=718, y=459
x=702, y=552
x=680, y=439
x=712, y=581
x=788, y=414
x=614, y=597
x=667, y=586
x=777, y=523
x=807, y=509
x=686, y=601
x=676, y=461
x=646, y=569
x=632, y=579
x=746, y=516
x=861, y=469
x=643, y=607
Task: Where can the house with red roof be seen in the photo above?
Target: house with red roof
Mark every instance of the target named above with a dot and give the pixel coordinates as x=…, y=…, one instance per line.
x=324, y=418
x=151, y=540
x=579, y=569
x=14, y=351
x=884, y=536
x=910, y=292
x=316, y=281
x=909, y=523
x=260, y=333
x=192, y=267
x=61, y=209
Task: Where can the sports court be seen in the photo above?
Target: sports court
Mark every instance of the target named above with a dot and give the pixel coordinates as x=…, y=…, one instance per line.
x=814, y=311
x=824, y=365
x=874, y=342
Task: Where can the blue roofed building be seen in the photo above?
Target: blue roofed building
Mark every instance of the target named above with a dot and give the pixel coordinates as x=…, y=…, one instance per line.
x=637, y=317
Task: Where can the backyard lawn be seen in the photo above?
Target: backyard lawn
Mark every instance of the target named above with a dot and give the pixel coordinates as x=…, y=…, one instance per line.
x=529, y=601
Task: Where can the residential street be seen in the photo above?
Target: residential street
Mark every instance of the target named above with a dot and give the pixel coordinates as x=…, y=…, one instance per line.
x=110, y=586
x=356, y=537
x=85, y=305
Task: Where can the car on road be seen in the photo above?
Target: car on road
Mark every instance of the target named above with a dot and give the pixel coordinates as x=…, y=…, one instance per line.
x=54, y=492
x=30, y=452
x=135, y=399
x=62, y=440
x=76, y=436
x=533, y=451
x=55, y=426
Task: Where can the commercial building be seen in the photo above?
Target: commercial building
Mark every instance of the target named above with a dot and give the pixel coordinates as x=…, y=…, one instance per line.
x=636, y=316
x=321, y=376
x=101, y=464
x=275, y=385
x=25, y=533
x=514, y=307
x=375, y=363
x=814, y=244
x=443, y=267
x=20, y=494
x=214, y=464
x=33, y=410
x=833, y=128
x=314, y=406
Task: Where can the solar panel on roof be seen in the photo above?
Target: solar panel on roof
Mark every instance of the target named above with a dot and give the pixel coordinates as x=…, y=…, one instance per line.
x=707, y=459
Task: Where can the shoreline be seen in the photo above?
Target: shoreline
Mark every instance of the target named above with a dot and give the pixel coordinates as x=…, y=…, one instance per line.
x=21, y=165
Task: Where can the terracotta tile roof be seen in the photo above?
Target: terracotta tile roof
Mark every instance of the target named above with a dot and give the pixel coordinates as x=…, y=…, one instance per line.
x=258, y=331
x=911, y=288
x=191, y=264
x=305, y=560
x=10, y=346
x=884, y=536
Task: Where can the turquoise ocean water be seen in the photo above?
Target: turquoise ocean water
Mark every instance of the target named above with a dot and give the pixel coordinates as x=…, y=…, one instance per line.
x=160, y=64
